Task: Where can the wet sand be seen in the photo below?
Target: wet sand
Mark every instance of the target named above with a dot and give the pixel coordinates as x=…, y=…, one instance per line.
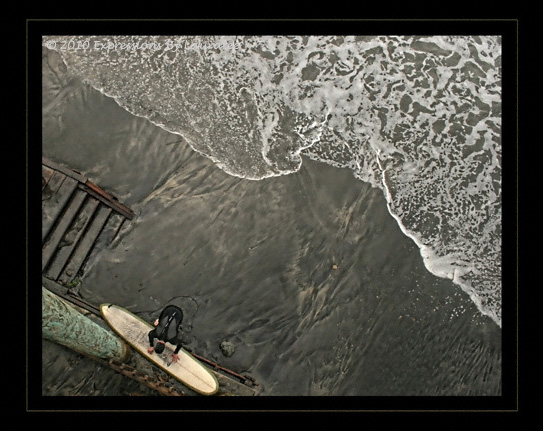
x=307, y=275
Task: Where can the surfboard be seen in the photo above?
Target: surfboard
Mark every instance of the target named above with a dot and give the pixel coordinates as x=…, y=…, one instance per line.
x=188, y=370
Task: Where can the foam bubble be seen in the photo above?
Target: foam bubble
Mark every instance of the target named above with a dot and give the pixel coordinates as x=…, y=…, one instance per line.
x=419, y=117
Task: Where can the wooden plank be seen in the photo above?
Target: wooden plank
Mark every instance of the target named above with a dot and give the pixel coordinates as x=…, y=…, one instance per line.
x=118, y=228
x=107, y=199
x=241, y=380
x=69, y=172
x=46, y=174
x=71, y=238
x=111, y=229
x=53, y=204
x=54, y=183
x=108, y=234
x=90, y=187
x=64, y=293
x=58, y=232
x=49, y=201
x=85, y=245
x=229, y=385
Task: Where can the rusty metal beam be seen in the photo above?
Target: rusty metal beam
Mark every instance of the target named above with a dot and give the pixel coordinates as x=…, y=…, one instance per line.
x=107, y=199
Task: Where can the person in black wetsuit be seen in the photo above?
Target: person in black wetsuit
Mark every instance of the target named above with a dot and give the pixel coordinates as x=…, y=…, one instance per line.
x=167, y=329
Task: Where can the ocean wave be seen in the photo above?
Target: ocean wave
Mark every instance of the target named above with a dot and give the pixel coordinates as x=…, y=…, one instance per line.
x=418, y=117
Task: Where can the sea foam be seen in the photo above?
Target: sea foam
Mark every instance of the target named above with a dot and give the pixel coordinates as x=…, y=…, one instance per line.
x=418, y=117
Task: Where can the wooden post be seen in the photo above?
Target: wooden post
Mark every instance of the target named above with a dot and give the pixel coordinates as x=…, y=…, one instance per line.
x=64, y=325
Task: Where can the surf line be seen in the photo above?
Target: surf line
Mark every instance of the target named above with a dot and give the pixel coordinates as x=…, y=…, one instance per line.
x=426, y=251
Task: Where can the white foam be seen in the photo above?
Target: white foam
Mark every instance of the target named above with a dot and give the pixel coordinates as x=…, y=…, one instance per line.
x=403, y=118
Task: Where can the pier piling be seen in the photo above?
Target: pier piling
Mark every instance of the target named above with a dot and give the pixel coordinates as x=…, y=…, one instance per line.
x=63, y=324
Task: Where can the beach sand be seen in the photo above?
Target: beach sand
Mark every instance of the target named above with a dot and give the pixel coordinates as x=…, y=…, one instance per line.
x=308, y=275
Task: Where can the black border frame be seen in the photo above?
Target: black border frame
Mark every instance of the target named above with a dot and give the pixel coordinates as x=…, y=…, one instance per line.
x=508, y=28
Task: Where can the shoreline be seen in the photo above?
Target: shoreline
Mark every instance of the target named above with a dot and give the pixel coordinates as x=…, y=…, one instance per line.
x=258, y=258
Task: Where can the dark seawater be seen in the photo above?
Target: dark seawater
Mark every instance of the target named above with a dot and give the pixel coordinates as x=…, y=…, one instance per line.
x=300, y=265
x=418, y=117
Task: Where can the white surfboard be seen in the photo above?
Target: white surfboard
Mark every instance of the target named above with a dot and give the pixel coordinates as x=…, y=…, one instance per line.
x=135, y=330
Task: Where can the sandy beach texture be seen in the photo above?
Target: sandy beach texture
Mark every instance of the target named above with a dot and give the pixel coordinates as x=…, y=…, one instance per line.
x=307, y=275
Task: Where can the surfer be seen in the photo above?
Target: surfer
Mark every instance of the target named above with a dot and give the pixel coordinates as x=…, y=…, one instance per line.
x=167, y=329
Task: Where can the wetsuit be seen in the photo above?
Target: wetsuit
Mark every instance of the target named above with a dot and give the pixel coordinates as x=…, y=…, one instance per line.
x=168, y=328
